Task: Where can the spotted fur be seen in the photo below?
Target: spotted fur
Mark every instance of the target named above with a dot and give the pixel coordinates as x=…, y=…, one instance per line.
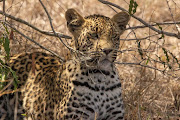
x=86, y=86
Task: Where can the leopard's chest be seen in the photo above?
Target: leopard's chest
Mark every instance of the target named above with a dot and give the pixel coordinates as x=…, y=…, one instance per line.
x=94, y=93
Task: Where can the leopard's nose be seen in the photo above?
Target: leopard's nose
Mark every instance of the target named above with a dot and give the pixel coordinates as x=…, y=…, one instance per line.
x=107, y=51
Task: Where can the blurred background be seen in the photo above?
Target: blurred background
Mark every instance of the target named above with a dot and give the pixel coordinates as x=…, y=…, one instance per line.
x=148, y=62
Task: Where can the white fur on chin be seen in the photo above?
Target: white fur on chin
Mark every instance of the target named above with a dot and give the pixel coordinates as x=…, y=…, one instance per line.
x=104, y=64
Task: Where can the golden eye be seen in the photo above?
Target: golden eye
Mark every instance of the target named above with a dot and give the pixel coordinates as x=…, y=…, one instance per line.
x=88, y=36
x=94, y=35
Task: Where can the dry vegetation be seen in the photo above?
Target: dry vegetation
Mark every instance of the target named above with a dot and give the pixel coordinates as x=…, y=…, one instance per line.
x=148, y=93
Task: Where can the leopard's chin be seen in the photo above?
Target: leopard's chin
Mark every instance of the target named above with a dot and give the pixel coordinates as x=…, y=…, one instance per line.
x=104, y=64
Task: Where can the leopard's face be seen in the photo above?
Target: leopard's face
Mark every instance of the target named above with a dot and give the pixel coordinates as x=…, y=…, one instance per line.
x=97, y=36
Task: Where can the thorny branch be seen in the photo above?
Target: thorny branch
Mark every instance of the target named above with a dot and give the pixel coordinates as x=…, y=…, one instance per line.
x=142, y=21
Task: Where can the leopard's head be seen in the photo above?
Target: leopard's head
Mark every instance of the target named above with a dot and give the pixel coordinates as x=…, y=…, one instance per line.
x=97, y=36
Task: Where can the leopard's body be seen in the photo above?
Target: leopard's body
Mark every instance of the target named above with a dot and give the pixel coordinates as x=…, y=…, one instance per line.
x=86, y=86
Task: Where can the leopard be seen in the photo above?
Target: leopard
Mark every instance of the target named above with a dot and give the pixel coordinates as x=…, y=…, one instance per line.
x=86, y=86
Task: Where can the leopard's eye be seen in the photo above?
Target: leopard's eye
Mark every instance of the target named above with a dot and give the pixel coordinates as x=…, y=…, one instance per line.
x=88, y=36
x=94, y=35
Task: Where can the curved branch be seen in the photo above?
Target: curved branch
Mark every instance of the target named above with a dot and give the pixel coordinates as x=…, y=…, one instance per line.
x=33, y=27
x=147, y=66
x=142, y=21
x=36, y=43
x=50, y=21
x=155, y=24
x=140, y=38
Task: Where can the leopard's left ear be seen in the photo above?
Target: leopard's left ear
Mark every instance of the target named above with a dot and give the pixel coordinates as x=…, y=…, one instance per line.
x=122, y=19
x=74, y=19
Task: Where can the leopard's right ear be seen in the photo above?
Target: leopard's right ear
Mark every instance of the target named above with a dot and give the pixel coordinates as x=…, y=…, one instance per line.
x=74, y=19
x=121, y=19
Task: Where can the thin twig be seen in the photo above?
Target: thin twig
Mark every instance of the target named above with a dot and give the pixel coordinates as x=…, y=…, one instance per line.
x=140, y=65
x=4, y=88
x=4, y=10
x=143, y=26
x=172, y=15
x=139, y=108
x=150, y=67
x=140, y=38
x=142, y=21
x=9, y=92
x=50, y=21
x=3, y=6
x=155, y=24
x=16, y=106
x=35, y=28
x=62, y=60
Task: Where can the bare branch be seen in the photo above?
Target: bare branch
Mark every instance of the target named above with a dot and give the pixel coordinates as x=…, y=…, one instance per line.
x=50, y=20
x=139, y=64
x=3, y=6
x=36, y=42
x=35, y=28
x=5, y=87
x=172, y=15
x=142, y=21
x=9, y=92
x=155, y=24
x=140, y=38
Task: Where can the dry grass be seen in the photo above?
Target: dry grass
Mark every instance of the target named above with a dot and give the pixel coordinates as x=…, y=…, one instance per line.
x=147, y=93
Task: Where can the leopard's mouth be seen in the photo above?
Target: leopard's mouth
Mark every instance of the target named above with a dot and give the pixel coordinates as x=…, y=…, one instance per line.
x=97, y=60
x=104, y=64
x=105, y=60
x=93, y=60
x=99, y=63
